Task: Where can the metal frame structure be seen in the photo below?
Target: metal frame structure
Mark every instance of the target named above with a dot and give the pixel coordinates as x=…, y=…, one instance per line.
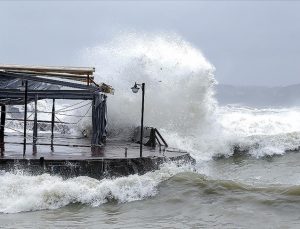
x=70, y=83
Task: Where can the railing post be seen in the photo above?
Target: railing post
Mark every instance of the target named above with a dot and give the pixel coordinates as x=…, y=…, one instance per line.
x=163, y=140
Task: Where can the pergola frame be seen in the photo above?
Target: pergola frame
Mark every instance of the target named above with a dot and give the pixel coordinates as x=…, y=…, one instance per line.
x=69, y=79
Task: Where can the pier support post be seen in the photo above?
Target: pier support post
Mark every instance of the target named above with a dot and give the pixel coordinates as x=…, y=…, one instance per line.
x=52, y=123
x=25, y=116
x=2, y=127
x=35, y=128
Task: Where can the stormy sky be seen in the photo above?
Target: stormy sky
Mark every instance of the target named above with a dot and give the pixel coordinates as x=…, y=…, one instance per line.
x=249, y=42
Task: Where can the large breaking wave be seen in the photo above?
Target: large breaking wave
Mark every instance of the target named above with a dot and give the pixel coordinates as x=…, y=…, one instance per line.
x=180, y=99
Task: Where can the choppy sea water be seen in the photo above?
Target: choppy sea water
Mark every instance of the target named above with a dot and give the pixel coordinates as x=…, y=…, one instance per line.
x=245, y=190
x=238, y=193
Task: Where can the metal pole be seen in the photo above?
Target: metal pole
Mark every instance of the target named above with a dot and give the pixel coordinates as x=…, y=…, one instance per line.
x=142, y=121
x=52, y=123
x=2, y=128
x=25, y=116
x=35, y=125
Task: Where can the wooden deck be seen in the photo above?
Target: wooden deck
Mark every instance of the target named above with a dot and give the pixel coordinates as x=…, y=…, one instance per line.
x=69, y=161
x=80, y=149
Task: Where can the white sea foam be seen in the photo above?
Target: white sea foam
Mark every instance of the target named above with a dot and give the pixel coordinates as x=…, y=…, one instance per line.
x=258, y=132
x=262, y=131
x=20, y=192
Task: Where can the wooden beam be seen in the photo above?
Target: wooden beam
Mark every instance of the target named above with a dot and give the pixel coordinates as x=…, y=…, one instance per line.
x=60, y=69
x=80, y=78
x=50, y=81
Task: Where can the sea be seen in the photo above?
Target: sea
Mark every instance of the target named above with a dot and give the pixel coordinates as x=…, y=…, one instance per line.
x=247, y=168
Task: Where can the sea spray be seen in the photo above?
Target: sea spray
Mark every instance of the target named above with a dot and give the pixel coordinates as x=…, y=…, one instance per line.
x=179, y=80
x=180, y=98
x=179, y=88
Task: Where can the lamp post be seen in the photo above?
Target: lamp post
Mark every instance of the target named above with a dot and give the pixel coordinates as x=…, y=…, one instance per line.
x=135, y=89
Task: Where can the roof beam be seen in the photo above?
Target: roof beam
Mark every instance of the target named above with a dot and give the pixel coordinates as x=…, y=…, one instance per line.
x=50, y=81
x=62, y=69
x=81, y=78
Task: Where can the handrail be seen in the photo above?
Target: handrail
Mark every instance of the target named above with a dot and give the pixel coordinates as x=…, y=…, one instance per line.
x=161, y=138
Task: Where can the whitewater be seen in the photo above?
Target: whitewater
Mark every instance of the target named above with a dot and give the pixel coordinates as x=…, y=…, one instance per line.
x=223, y=188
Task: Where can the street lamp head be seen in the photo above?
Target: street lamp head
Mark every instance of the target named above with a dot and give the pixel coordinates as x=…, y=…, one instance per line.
x=135, y=88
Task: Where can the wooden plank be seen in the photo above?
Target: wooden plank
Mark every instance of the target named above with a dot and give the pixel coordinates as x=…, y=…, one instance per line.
x=59, y=69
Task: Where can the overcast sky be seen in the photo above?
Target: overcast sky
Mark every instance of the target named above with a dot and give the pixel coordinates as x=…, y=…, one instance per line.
x=249, y=42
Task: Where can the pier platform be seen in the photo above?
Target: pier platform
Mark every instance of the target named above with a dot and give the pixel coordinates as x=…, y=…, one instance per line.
x=71, y=158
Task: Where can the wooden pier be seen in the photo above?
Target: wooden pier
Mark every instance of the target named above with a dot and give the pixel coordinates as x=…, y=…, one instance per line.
x=116, y=158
